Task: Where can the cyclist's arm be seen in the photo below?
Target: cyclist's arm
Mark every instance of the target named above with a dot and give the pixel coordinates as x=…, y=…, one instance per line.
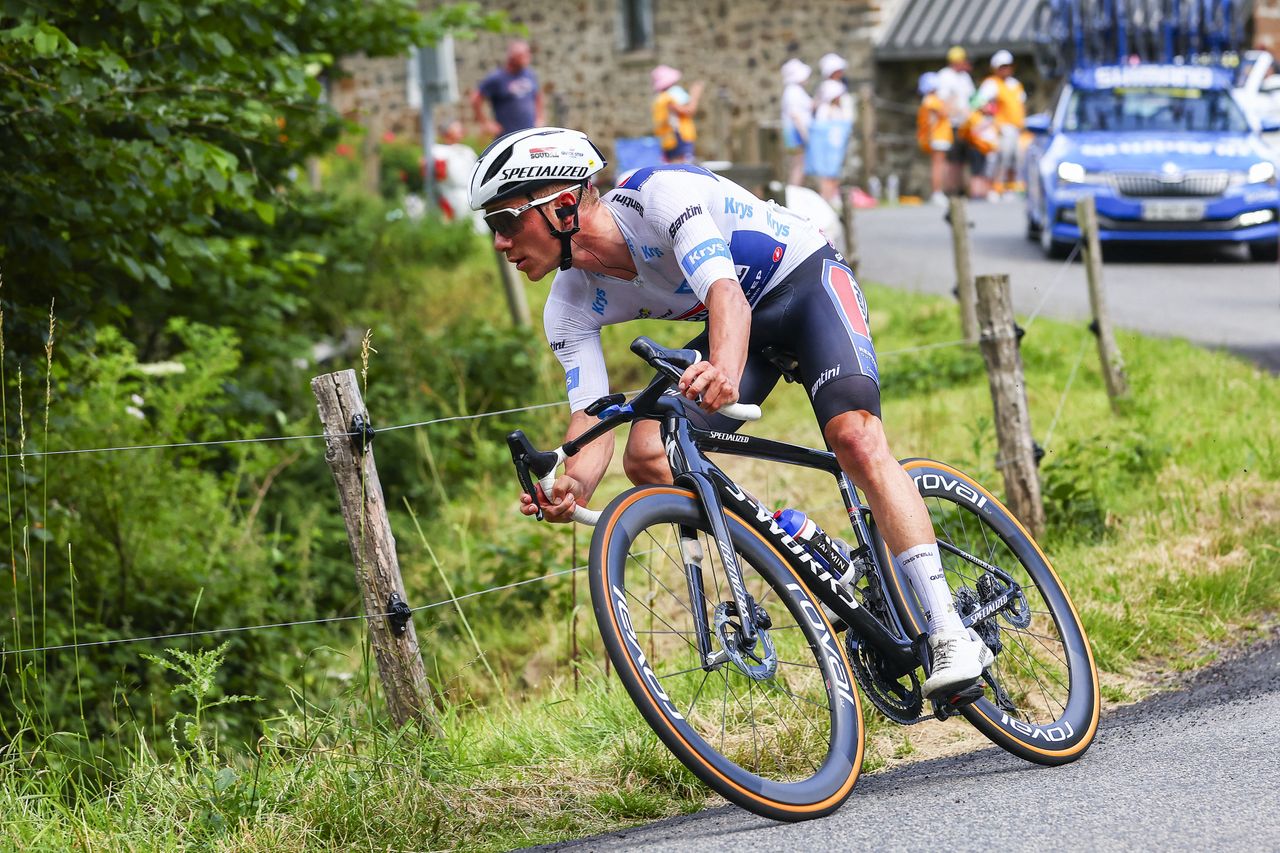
x=729, y=330
x=582, y=473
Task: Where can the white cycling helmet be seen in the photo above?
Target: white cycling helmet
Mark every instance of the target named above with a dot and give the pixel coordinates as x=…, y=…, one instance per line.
x=522, y=161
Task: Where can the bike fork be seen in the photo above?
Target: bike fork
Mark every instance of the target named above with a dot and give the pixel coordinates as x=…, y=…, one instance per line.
x=710, y=503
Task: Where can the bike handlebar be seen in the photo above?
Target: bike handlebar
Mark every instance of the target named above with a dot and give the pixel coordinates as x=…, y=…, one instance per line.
x=543, y=464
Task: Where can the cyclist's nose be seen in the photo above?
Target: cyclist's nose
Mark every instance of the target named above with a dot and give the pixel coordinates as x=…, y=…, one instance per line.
x=501, y=243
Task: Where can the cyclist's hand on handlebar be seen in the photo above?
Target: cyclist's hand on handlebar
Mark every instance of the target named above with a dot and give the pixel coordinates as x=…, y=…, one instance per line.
x=559, y=505
x=716, y=387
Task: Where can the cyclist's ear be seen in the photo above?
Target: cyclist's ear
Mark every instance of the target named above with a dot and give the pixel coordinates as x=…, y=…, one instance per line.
x=568, y=206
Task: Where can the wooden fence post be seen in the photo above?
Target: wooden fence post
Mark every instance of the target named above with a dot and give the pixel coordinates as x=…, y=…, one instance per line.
x=867, y=124
x=371, y=151
x=1108, y=352
x=999, y=343
x=849, y=225
x=513, y=287
x=395, y=644
x=959, y=214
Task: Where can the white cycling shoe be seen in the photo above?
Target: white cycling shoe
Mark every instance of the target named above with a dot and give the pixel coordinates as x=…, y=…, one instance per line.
x=959, y=658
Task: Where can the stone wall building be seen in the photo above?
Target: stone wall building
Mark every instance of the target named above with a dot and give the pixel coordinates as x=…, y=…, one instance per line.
x=594, y=56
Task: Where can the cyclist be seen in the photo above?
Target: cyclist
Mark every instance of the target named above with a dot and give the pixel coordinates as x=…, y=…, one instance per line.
x=678, y=242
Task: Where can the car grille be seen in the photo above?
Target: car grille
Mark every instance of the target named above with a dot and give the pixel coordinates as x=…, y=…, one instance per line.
x=1151, y=184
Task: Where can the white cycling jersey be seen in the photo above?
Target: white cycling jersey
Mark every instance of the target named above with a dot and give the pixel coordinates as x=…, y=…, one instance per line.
x=686, y=228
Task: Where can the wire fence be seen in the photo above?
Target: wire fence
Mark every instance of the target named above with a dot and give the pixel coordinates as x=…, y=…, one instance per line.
x=6, y=653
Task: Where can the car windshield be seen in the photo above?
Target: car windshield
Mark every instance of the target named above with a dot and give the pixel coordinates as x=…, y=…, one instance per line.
x=1154, y=109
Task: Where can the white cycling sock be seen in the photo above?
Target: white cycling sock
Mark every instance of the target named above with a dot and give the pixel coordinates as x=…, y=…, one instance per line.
x=923, y=567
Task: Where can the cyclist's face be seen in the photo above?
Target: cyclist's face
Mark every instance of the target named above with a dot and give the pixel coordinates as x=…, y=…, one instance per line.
x=526, y=240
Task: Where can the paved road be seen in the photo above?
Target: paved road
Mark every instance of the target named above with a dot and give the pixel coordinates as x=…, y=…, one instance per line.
x=1213, y=296
x=1195, y=769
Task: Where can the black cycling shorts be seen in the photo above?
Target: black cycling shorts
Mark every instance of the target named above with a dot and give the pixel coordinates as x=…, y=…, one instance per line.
x=818, y=315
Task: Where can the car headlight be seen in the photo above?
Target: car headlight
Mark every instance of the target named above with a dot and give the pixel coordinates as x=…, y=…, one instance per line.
x=1070, y=173
x=1263, y=172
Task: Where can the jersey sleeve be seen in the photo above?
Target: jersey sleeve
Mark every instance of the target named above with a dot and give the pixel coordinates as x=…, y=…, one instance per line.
x=574, y=336
x=679, y=206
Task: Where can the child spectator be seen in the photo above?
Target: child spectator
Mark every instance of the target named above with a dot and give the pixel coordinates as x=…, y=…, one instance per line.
x=673, y=111
x=828, y=137
x=934, y=133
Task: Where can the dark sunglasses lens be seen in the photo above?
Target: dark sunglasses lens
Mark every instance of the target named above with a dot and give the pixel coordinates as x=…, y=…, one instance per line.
x=504, y=223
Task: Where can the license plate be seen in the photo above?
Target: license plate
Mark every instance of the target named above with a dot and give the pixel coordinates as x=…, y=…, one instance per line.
x=1172, y=211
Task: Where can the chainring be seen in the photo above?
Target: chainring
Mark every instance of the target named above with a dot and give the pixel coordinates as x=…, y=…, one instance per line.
x=895, y=700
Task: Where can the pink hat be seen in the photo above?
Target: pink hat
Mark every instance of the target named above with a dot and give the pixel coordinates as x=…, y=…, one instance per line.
x=664, y=77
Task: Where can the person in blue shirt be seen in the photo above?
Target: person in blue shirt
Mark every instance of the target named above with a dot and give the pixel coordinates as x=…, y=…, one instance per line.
x=512, y=91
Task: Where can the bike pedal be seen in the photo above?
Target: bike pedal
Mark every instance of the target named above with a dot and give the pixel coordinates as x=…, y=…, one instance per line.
x=944, y=710
x=968, y=696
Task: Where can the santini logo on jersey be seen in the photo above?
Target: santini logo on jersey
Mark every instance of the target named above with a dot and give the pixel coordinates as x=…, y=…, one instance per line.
x=689, y=213
x=526, y=172
x=628, y=201
x=703, y=252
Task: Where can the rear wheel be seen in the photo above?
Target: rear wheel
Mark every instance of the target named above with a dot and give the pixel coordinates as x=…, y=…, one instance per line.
x=1042, y=699
x=774, y=727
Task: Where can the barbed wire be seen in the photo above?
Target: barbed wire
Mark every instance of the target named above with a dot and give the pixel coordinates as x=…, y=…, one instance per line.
x=1048, y=438
x=36, y=454
x=119, y=641
x=1062, y=272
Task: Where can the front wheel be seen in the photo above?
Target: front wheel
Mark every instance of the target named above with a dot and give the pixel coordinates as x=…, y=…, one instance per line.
x=773, y=726
x=1042, y=698
x=1264, y=251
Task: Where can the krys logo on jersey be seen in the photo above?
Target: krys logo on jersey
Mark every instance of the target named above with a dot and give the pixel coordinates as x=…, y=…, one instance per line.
x=703, y=252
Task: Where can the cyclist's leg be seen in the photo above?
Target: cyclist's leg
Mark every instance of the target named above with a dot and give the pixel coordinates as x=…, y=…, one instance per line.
x=838, y=364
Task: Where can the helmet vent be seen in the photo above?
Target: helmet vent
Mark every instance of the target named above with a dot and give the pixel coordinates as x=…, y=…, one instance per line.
x=498, y=163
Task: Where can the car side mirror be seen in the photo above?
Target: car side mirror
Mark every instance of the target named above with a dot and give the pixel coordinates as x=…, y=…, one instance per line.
x=1039, y=123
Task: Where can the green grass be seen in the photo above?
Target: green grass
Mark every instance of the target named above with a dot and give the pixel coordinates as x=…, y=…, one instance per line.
x=1164, y=523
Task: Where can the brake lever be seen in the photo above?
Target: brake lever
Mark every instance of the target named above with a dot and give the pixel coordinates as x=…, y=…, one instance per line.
x=523, y=474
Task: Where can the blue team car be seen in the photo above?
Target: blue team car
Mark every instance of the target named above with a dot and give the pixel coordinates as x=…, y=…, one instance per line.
x=1166, y=151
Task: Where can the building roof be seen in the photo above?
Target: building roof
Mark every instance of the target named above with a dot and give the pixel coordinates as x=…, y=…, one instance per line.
x=924, y=29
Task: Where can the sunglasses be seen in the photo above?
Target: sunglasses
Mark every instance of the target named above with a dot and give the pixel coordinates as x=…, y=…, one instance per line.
x=506, y=220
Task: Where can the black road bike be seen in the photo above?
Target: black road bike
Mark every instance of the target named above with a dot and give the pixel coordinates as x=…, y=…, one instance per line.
x=726, y=632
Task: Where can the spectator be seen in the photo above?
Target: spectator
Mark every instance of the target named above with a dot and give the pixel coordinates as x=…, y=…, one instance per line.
x=832, y=67
x=673, y=111
x=834, y=107
x=956, y=90
x=1010, y=99
x=828, y=137
x=980, y=133
x=454, y=162
x=797, y=113
x=934, y=133
x=513, y=93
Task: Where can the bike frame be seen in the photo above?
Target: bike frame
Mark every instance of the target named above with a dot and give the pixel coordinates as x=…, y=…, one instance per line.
x=686, y=446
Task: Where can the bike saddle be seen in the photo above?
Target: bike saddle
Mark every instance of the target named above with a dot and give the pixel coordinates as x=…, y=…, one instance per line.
x=786, y=362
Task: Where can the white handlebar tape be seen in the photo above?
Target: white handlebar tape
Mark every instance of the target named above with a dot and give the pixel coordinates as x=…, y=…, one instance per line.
x=581, y=514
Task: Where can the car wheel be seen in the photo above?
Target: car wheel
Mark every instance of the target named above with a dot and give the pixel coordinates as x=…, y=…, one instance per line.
x=1264, y=251
x=1054, y=250
x=1033, y=229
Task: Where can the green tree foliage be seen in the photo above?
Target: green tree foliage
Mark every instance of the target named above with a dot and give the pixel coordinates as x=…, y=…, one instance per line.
x=149, y=149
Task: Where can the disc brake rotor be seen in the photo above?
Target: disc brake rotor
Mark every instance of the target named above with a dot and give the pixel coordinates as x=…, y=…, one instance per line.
x=760, y=660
